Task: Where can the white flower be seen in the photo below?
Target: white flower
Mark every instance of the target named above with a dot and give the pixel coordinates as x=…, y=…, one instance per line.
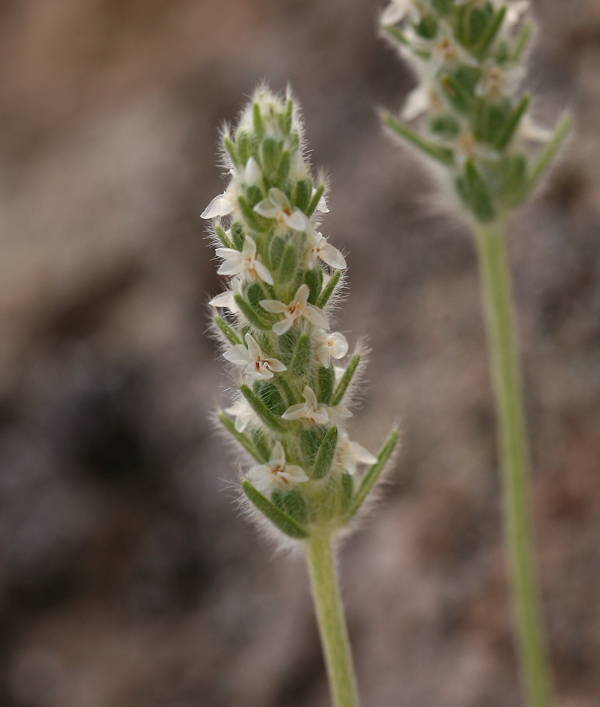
x=330, y=346
x=423, y=98
x=314, y=411
x=495, y=83
x=296, y=309
x=235, y=262
x=318, y=247
x=348, y=455
x=227, y=299
x=277, y=206
x=443, y=49
x=529, y=130
x=322, y=205
x=515, y=10
x=310, y=409
x=252, y=175
x=223, y=204
x=276, y=473
x=257, y=366
x=466, y=147
x=243, y=414
x=397, y=10
x=226, y=203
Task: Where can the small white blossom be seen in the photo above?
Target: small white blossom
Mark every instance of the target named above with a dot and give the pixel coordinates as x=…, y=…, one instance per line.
x=397, y=10
x=516, y=10
x=223, y=204
x=243, y=413
x=252, y=175
x=330, y=345
x=277, y=206
x=226, y=203
x=529, y=130
x=235, y=262
x=310, y=409
x=276, y=473
x=314, y=411
x=293, y=311
x=495, y=83
x=257, y=366
x=227, y=299
x=348, y=454
x=322, y=205
x=444, y=50
x=318, y=247
x=423, y=98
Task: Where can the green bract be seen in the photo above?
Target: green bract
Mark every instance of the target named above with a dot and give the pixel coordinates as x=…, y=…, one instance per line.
x=472, y=117
x=274, y=324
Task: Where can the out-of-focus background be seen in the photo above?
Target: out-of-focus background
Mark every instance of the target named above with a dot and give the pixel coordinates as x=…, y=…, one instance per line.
x=127, y=577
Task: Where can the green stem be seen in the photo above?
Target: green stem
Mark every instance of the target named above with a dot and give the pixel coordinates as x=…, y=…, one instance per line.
x=330, y=617
x=495, y=278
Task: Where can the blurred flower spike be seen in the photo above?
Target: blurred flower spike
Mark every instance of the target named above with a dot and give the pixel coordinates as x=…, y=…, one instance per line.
x=470, y=116
x=273, y=322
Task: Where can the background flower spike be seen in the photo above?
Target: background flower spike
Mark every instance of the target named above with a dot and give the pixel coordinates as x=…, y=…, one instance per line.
x=473, y=120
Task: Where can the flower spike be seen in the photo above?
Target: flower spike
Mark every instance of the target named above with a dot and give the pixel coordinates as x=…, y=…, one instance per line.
x=274, y=323
x=274, y=326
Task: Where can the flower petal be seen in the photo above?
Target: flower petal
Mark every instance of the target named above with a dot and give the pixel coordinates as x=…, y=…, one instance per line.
x=320, y=416
x=262, y=272
x=332, y=256
x=315, y=316
x=322, y=205
x=254, y=352
x=238, y=354
x=219, y=206
x=283, y=326
x=362, y=455
x=295, y=474
x=309, y=395
x=337, y=345
x=225, y=299
x=273, y=306
x=277, y=457
x=267, y=209
x=249, y=249
x=275, y=365
x=279, y=199
x=394, y=12
x=296, y=220
x=417, y=103
x=323, y=354
x=231, y=266
x=296, y=412
x=253, y=173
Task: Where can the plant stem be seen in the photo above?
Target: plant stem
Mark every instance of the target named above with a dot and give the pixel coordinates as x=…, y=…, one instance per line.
x=514, y=455
x=330, y=617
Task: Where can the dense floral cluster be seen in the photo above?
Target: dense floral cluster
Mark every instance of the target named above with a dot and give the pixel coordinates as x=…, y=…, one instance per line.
x=473, y=118
x=274, y=322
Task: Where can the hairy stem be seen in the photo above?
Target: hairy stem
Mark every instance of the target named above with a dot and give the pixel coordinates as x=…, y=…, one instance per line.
x=514, y=454
x=330, y=617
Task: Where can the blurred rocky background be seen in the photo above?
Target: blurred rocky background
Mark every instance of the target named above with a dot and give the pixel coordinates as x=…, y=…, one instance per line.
x=127, y=577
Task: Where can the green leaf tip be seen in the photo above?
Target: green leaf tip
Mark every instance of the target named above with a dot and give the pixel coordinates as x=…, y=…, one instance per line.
x=549, y=152
x=368, y=480
x=279, y=518
x=440, y=154
x=269, y=418
x=245, y=441
x=326, y=453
